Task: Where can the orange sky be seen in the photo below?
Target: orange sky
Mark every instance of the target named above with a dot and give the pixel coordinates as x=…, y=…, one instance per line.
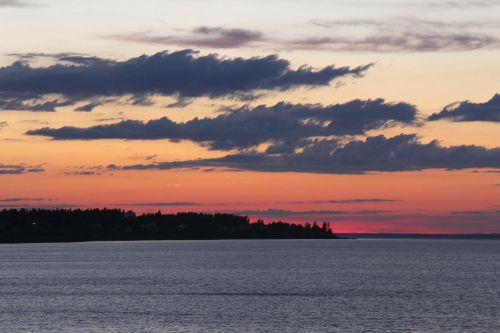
x=429, y=67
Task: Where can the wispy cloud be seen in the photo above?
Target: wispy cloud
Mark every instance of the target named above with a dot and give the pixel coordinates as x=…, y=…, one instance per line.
x=201, y=37
x=273, y=212
x=18, y=169
x=22, y=199
x=476, y=212
x=346, y=201
x=14, y=3
x=158, y=204
x=401, y=35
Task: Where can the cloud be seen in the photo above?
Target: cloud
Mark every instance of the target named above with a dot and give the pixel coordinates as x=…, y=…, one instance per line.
x=41, y=206
x=246, y=127
x=12, y=169
x=33, y=103
x=14, y=3
x=182, y=74
x=400, y=153
x=401, y=35
x=477, y=212
x=345, y=201
x=180, y=103
x=272, y=212
x=82, y=173
x=159, y=204
x=459, y=4
x=467, y=111
x=88, y=107
x=201, y=37
x=3, y=124
x=21, y=199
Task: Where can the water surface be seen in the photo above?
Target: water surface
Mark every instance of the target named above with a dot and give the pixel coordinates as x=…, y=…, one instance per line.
x=252, y=286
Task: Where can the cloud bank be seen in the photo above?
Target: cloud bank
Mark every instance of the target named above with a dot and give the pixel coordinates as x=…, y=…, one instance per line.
x=184, y=74
x=247, y=127
x=379, y=153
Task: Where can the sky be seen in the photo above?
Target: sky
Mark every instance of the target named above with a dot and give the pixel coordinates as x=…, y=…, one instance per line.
x=374, y=115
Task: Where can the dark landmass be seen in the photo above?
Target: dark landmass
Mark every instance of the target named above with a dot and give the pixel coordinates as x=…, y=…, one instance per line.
x=421, y=236
x=61, y=225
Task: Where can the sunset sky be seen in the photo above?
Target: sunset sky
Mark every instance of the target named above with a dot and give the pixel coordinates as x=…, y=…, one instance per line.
x=374, y=115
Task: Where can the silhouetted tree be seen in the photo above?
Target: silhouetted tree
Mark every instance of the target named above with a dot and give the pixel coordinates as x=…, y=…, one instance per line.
x=61, y=225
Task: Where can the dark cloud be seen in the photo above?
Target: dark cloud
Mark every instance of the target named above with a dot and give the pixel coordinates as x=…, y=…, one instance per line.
x=467, y=111
x=246, y=127
x=476, y=212
x=4, y=124
x=202, y=37
x=82, y=173
x=399, y=153
x=88, y=107
x=12, y=169
x=21, y=199
x=401, y=35
x=33, y=103
x=318, y=213
x=159, y=204
x=41, y=206
x=182, y=74
x=180, y=103
x=345, y=201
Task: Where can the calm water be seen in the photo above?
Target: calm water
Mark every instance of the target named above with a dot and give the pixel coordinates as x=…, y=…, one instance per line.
x=252, y=286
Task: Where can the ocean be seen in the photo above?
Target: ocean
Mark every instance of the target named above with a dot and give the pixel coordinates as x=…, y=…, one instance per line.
x=364, y=285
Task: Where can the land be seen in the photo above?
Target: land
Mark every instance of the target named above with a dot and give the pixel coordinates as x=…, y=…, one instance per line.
x=67, y=225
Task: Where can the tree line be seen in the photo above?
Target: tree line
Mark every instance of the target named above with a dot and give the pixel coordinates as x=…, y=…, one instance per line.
x=77, y=225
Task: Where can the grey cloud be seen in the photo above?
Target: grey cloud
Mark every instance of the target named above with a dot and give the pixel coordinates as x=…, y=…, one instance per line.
x=346, y=201
x=402, y=35
x=41, y=206
x=289, y=213
x=182, y=74
x=399, y=153
x=245, y=127
x=159, y=204
x=14, y=3
x=13, y=169
x=21, y=199
x=459, y=4
x=476, y=212
x=33, y=103
x=82, y=173
x=201, y=37
x=467, y=111
x=180, y=103
x=431, y=4
x=88, y=107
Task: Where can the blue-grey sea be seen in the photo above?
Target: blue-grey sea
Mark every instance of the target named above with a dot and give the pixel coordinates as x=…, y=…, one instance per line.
x=365, y=285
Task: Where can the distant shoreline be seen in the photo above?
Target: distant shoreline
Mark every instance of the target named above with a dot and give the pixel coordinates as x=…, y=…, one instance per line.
x=416, y=236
